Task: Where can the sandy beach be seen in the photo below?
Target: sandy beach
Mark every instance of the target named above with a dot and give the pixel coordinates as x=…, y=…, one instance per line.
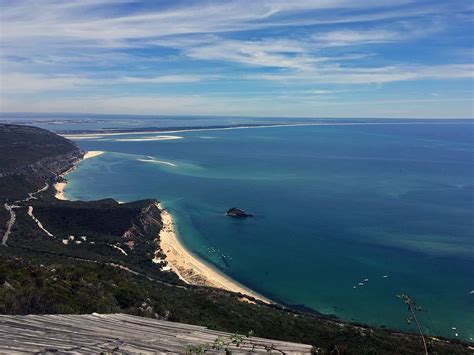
x=60, y=186
x=189, y=268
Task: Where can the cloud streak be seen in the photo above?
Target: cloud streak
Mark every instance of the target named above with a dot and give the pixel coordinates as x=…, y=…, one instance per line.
x=329, y=48
x=26, y=83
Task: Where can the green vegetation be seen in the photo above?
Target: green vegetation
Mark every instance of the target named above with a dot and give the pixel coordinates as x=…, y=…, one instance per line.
x=232, y=342
x=65, y=285
x=21, y=145
x=29, y=157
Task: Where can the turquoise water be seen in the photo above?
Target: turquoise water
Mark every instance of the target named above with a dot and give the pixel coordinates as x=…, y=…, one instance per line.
x=333, y=205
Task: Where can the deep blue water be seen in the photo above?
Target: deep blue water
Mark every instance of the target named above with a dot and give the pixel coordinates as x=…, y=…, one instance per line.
x=333, y=205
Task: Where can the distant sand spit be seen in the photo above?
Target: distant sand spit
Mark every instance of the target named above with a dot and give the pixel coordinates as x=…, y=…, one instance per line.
x=189, y=268
x=155, y=138
x=60, y=186
x=131, y=132
x=92, y=154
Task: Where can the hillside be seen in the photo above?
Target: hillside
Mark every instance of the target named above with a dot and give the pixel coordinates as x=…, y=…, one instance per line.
x=29, y=157
x=75, y=257
x=22, y=145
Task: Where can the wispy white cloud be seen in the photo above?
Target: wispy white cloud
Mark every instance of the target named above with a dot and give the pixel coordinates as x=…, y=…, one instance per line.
x=400, y=31
x=238, y=106
x=83, y=22
x=26, y=83
x=349, y=75
x=352, y=37
x=163, y=79
x=11, y=83
x=119, y=46
x=34, y=83
x=277, y=53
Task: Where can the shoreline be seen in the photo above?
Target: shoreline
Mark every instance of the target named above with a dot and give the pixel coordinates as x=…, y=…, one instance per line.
x=60, y=186
x=181, y=261
x=193, y=270
x=163, y=131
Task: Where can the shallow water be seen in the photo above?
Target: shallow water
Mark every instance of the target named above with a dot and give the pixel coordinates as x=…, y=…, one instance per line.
x=333, y=205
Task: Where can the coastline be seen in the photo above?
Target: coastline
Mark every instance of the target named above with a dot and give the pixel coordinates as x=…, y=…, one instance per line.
x=165, y=133
x=60, y=186
x=183, y=263
x=191, y=269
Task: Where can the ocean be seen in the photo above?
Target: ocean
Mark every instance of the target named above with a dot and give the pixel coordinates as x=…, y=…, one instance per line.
x=334, y=205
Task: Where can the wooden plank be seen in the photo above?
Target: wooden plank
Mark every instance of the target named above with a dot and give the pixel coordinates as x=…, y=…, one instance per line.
x=102, y=332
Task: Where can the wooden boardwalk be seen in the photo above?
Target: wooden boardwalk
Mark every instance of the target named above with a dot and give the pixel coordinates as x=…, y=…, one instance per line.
x=96, y=333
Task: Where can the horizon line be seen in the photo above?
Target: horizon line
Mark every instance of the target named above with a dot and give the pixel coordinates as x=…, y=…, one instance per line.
x=223, y=116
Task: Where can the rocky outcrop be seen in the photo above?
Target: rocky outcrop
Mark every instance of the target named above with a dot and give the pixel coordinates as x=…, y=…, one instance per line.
x=237, y=212
x=147, y=223
x=140, y=238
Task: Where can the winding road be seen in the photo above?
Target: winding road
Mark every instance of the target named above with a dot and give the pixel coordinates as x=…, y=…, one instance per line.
x=9, y=208
x=9, y=223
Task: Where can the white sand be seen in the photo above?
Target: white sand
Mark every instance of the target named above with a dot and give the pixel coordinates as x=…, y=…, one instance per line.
x=189, y=268
x=92, y=154
x=146, y=139
x=60, y=186
x=334, y=123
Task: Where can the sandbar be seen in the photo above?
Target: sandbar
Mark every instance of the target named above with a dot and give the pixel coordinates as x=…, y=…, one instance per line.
x=98, y=135
x=146, y=139
x=92, y=154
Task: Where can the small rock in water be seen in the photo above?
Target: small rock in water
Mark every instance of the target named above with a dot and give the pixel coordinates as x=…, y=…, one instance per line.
x=237, y=212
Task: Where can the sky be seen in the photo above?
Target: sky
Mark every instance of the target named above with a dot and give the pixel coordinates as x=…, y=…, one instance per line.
x=301, y=58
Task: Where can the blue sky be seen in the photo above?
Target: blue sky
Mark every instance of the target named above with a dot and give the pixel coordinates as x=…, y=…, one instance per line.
x=319, y=58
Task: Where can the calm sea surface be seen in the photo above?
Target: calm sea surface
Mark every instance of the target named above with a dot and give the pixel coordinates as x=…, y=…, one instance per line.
x=333, y=205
